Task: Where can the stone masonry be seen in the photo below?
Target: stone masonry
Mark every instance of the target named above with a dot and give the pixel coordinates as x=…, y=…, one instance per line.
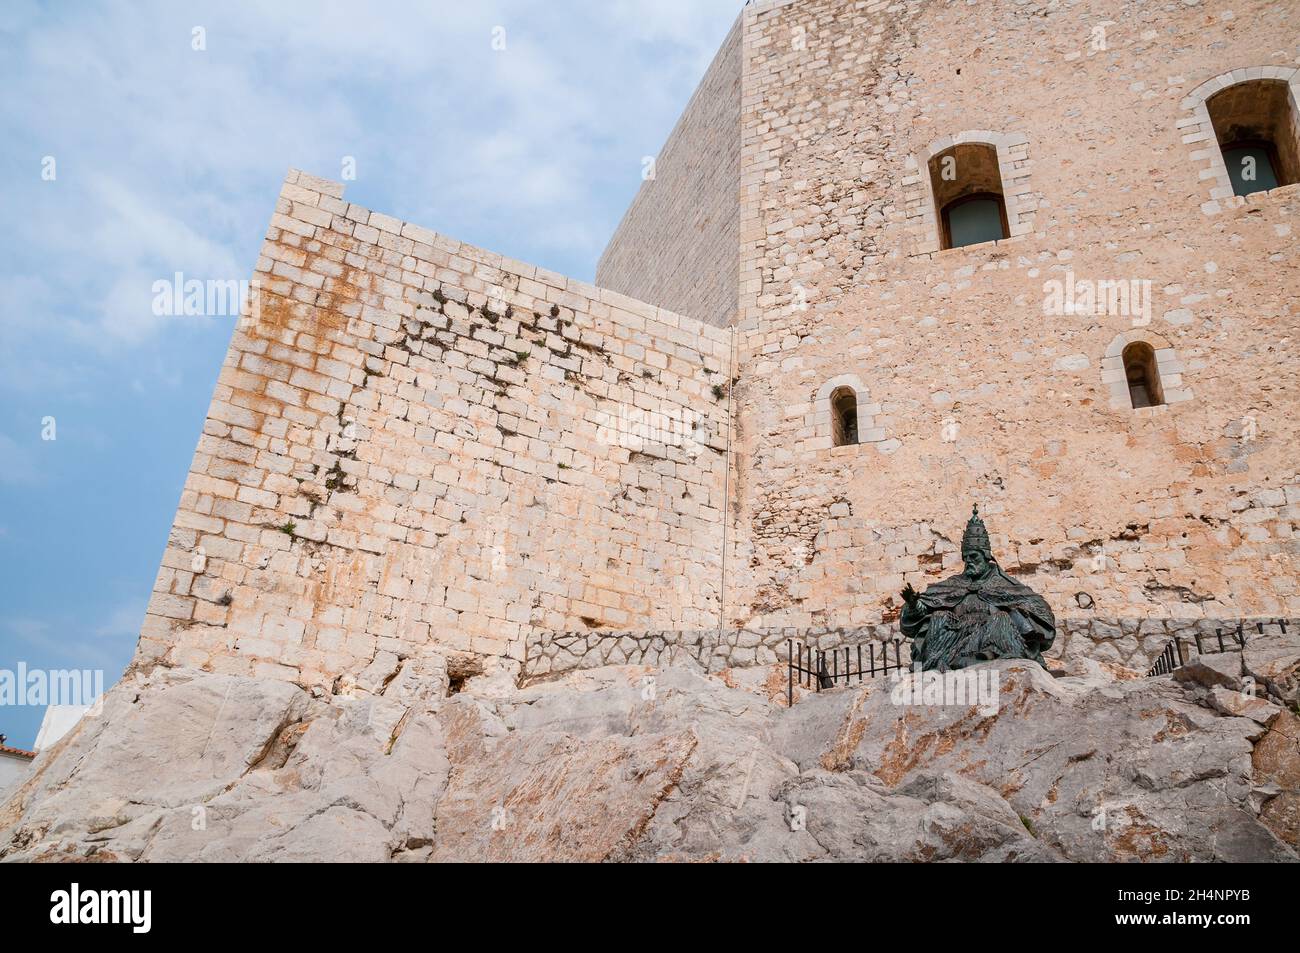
x=414, y=441
x=418, y=443
x=1130, y=644
x=679, y=243
x=974, y=391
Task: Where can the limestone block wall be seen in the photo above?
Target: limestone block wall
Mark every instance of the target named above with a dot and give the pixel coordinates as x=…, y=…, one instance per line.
x=973, y=386
x=417, y=442
x=678, y=243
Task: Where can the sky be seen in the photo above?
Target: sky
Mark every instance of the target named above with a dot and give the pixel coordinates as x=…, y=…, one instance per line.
x=138, y=140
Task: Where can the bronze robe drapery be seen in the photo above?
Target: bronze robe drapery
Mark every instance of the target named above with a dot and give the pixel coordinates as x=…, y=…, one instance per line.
x=960, y=621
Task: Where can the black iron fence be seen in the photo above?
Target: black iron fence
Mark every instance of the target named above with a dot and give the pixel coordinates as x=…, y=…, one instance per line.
x=819, y=669
x=1174, y=656
x=1170, y=659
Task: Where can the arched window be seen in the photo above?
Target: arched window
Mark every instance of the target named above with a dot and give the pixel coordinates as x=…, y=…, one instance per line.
x=967, y=186
x=1255, y=126
x=1141, y=369
x=1142, y=375
x=844, y=417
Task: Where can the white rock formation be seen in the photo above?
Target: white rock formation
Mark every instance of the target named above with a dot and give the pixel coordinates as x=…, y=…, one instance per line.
x=629, y=763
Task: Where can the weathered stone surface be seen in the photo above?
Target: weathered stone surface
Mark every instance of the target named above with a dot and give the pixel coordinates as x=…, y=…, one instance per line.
x=1176, y=510
x=855, y=816
x=1132, y=770
x=1275, y=663
x=630, y=763
x=512, y=797
x=1277, y=761
x=191, y=766
x=1238, y=703
x=583, y=421
x=1223, y=668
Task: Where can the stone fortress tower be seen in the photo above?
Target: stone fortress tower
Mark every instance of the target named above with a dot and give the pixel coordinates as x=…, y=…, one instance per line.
x=896, y=258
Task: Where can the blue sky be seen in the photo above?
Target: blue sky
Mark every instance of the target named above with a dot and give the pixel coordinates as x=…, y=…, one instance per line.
x=168, y=159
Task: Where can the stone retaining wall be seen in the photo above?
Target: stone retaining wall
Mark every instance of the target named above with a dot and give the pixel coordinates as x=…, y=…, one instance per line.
x=1134, y=643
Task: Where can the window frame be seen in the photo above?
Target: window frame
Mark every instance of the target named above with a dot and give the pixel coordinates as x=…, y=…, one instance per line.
x=1019, y=200
x=839, y=426
x=1170, y=373
x=1201, y=137
x=1264, y=145
x=945, y=225
x=1150, y=368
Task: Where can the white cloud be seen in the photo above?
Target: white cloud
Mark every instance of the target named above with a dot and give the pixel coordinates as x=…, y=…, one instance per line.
x=129, y=228
x=169, y=159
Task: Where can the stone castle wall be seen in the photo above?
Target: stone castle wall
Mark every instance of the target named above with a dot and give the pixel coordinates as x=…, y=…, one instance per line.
x=968, y=389
x=414, y=441
x=678, y=244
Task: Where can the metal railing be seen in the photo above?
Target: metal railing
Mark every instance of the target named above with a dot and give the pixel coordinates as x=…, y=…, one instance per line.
x=1174, y=657
x=820, y=669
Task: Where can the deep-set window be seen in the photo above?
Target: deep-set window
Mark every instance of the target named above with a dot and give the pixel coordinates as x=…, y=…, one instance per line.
x=967, y=186
x=1255, y=125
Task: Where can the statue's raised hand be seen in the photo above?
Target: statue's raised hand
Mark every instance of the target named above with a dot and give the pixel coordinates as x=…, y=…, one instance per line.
x=911, y=596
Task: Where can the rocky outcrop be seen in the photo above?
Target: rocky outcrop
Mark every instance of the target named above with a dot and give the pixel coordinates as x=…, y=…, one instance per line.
x=628, y=763
x=1277, y=766
x=184, y=765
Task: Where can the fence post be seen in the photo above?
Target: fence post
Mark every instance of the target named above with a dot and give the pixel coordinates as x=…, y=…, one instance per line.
x=789, y=672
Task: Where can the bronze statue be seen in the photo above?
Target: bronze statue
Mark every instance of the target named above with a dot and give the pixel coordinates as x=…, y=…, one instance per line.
x=978, y=615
